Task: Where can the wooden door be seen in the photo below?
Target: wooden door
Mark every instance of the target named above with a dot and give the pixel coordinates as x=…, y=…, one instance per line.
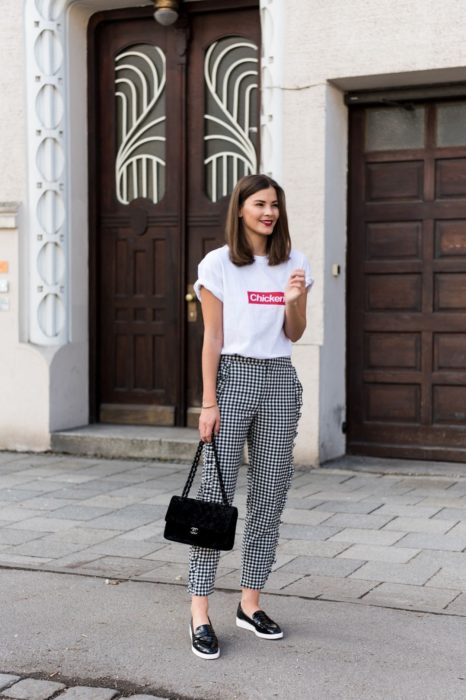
x=173, y=125
x=407, y=281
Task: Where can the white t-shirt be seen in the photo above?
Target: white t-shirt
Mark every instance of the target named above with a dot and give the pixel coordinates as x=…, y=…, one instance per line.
x=253, y=301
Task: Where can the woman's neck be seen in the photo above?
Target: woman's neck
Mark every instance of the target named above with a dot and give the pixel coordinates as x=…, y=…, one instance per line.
x=258, y=245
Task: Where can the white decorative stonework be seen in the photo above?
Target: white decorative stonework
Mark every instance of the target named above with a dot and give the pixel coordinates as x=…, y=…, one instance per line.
x=141, y=76
x=231, y=75
x=272, y=22
x=47, y=210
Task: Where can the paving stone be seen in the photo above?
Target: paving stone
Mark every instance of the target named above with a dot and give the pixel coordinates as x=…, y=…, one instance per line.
x=412, y=572
x=145, y=532
x=359, y=520
x=7, y=679
x=121, y=521
x=163, y=499
x=171, y=552
x=358, y=536
x=363, y=507
x=449, y=578
x=111, y=501
x=44, y=486
x=427, y=525
x=42, y=524
x=80, y=512
x=368, y=552
x=412, y=511
x=329, y=587
x=278, y=580
x=451, y=514
x=126, y=548
x=87, y=535
x=81, y=492
x=17, y=514
x=400, y=499
x=125, y=567
x=323, y=566
x=72, y=562
x=404, y=596
x=338, y=496
x=307, y=532
x=45, y=503
x=87, y=693
x=31, y=689
x=15, y=495
x=9, y=535
x=429, y=483
x=458, y=606
x=441, y=542
x=311, y=548
x=302, y=517
x=45, y=548
x=458, y=531
x=11, y=558
x=455, y=560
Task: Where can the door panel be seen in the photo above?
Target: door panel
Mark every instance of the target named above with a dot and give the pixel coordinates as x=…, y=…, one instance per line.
x=407, y=283
x=138, y=228
x=174, y=123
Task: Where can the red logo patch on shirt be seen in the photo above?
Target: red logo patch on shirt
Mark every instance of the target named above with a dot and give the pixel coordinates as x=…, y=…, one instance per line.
x=269, y=298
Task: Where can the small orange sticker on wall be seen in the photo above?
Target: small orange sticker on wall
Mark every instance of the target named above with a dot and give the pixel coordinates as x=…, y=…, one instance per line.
x=4, y=267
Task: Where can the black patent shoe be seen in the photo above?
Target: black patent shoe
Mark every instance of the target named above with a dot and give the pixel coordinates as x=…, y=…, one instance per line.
x=204, y=642
x=259, y=623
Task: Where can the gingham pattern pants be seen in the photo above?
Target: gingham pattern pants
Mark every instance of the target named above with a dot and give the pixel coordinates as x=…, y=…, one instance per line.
x=260, y=401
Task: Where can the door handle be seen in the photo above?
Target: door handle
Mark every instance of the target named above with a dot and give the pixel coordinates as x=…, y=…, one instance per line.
x=191, y=299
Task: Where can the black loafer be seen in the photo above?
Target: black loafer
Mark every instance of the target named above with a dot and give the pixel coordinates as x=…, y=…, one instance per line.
x=204, y=642
x=259, y=623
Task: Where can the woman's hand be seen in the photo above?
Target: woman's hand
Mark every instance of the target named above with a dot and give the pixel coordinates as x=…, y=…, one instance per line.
x=295, y=305
x=296, y=286
x=209, y=422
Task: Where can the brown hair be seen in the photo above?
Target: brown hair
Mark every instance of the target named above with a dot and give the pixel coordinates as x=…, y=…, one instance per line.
x=278, y=243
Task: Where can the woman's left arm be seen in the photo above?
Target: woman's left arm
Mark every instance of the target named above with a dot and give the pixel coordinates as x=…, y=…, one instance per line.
x=295, y=305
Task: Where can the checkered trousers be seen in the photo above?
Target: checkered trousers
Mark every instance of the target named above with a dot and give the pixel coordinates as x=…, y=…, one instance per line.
x=260, y=401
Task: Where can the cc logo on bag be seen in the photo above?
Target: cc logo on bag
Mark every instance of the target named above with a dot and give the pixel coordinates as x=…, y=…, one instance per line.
x=194, y=531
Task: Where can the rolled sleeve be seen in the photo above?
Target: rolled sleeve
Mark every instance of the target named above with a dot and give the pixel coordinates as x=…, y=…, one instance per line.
x=209, y=276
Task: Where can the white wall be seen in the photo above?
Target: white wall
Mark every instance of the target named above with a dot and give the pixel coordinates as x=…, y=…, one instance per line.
x=333, y=46
x=23, y=370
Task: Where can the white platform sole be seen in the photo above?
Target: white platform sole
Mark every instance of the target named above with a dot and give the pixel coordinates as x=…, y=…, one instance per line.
x=247, y=626
x=207, y=657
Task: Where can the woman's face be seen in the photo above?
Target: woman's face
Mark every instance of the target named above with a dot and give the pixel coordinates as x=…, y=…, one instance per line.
x=260, y=213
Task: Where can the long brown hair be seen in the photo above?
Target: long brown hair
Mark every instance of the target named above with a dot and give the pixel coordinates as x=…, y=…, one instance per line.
x=278, y=243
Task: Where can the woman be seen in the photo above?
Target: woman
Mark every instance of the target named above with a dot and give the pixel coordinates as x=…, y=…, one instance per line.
x=253, y=293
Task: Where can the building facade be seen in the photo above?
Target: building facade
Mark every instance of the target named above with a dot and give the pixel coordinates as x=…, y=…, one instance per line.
x=120, y=140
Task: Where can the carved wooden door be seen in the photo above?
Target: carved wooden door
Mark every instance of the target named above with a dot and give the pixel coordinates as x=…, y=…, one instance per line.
x=174, y=124
x=407, y=281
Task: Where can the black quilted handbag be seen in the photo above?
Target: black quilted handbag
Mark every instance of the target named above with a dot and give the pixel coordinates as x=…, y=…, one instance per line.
x=201, y=523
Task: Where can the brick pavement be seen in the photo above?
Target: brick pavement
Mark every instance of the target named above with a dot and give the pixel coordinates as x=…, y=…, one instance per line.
x=370, y=538
x=14, y=687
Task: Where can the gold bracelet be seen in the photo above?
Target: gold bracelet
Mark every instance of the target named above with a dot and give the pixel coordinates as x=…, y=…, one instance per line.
x=214, y=405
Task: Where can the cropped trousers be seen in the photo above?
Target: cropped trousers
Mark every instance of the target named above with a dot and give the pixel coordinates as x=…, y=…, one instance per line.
x=259, y=401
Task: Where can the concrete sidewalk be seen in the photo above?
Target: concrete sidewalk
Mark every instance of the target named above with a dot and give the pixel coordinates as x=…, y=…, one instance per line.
x=372, y=539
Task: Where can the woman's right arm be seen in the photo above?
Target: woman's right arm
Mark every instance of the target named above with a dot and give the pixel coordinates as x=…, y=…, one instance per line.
x=212, y=313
